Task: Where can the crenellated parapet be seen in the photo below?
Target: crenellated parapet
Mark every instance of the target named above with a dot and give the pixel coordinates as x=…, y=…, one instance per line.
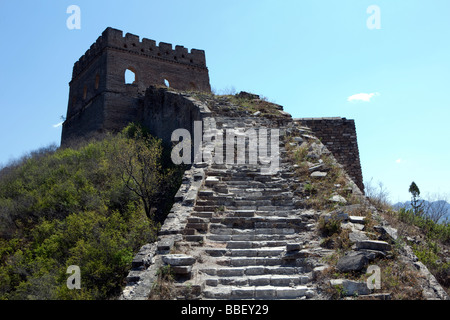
x=114, y=39
x=102, y=98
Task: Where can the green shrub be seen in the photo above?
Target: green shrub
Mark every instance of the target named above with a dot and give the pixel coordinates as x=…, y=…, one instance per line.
x=71, y=207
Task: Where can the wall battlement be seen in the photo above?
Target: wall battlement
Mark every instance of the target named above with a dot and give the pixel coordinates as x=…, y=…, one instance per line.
x=114, y=39
x=102, y=99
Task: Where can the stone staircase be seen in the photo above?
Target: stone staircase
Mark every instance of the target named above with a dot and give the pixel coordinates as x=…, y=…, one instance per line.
x=251, y=232
x=236, y=233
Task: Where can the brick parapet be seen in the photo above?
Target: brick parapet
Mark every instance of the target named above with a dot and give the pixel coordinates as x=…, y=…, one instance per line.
x=114, y=39
x=339, y=136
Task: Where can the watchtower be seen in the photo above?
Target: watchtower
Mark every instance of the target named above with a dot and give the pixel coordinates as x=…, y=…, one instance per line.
x=100, y=99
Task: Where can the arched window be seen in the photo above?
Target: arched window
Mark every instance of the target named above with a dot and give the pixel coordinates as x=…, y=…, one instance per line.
x=130, y=76
x=166, y=83
x=97, y=81
x=85, y=92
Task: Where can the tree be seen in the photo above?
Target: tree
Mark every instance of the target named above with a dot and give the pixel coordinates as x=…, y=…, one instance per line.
x=139, y=157
x=416, y=203
x=436, y=207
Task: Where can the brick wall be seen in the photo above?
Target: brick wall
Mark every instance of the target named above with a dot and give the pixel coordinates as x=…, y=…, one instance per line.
x=339, y=136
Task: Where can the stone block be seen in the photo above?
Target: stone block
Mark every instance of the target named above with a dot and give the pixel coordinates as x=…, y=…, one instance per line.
x=183, y=270
x=254, y=270
x=291, y=293
x=357, y=219
x=354, y=261
x=357, y=236
x=242, y=292
x=373, y=245
x=178, y=259
x=165, y=244
x=230, y=272
x=261, y=280
x=318, y=174
x=265, y=292
x=350, y=287
x=387, y=232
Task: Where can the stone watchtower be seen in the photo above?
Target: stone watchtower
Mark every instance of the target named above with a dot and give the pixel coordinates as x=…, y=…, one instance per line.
x=100, y=100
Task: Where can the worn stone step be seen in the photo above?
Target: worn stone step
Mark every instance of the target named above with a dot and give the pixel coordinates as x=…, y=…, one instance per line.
x=194, y=238
x=214, y=203
x=261, y=221
x=224, y=230
x=249, y=237
x=242, y=213
x=251, y=271
x=256, y=292
x=259, y=280
x=207, y=208
x=248, y=252
x=202, y=214
x=250, y=261
x=196, y=219
x=256, y=222
x=275, y=208
x=255, y=244
x=197, y=226
x=205, y=193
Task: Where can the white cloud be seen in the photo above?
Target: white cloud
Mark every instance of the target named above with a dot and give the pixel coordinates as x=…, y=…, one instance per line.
x=58, y=125
x=362, y=97
x=398, y=161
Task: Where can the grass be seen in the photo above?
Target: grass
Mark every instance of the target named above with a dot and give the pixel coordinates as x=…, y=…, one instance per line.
x=318, y=191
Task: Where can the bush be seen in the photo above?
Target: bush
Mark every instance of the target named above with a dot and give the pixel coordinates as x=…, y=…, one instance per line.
x=71, y=207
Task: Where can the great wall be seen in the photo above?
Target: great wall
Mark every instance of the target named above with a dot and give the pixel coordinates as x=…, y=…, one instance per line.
x=233, y=231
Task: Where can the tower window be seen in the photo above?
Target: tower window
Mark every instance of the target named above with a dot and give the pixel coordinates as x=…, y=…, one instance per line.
x=97, y=81
x=84, y=92
x=166, y=83
x=130, y=76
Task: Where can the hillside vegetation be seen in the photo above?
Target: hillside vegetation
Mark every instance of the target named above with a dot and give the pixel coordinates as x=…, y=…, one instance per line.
x=424, y=230
x=91, y=206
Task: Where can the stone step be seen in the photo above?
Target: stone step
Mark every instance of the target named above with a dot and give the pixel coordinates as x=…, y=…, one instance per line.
x=223, y=230
x=249, y=237
x=199, y=208
x=197, y=226
x=259, y=280
x=256, y=244
x=250, y=261
x=197, y=220
x=242, y=213
x=256, y=292
x=245, y=223
x=258, y=221
x=247, y=252
x=202, y=214
x=251, y=271
x=193, y=238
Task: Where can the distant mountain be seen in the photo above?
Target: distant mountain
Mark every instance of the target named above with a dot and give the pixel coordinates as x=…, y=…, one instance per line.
x=435, y=206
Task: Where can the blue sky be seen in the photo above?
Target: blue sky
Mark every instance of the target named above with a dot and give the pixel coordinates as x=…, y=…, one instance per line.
x=309, y=56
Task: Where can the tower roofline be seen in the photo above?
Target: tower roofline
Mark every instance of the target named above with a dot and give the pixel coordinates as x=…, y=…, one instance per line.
x=114, y=39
